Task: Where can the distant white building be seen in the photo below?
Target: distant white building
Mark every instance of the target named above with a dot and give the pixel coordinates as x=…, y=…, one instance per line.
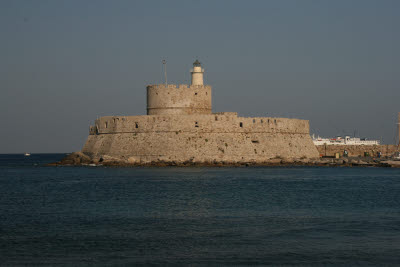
x=347, y=140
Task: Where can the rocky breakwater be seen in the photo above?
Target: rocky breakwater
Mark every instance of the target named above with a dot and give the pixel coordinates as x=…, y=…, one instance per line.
x=357, y=150
x=81, y=159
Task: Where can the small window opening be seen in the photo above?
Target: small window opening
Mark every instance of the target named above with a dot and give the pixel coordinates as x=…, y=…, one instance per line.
x=216, y=118
x=262, y=121
x=254, y=120
x=195, y=93
x=255, y=141
x=241, y=124
x=275, y=121
x=136, y=125
x=106, y=124
x=196, y=124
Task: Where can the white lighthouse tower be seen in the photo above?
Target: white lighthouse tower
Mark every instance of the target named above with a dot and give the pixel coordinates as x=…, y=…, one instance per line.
x=197, y=73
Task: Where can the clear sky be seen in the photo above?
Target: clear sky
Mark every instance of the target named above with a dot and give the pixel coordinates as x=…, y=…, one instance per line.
x=65, y=63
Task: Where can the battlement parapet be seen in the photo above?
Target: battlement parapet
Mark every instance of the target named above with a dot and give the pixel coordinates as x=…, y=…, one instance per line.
x=226, y=113
x=200, y=123
x=177, y=86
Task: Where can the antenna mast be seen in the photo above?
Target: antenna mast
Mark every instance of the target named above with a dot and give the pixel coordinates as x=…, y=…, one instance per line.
x=164, y=62
x=398, y=129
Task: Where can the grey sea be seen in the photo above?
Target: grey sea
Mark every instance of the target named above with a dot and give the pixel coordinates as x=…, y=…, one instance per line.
x=73, y=216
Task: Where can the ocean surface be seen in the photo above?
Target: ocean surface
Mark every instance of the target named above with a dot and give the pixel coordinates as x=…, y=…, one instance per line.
x=197, y=216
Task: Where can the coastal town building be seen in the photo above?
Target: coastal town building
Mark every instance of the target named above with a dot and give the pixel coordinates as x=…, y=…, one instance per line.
x=347, y=140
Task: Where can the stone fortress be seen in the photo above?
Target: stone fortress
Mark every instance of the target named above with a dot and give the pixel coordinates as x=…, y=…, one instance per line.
x=180, y=128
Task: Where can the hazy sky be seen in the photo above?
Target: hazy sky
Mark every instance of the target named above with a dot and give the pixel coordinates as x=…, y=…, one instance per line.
x=65, y=63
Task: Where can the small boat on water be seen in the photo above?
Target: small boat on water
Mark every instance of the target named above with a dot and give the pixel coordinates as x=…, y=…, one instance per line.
x=27, y=154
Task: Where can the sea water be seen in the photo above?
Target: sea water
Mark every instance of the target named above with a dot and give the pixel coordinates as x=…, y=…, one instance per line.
x=196, y=216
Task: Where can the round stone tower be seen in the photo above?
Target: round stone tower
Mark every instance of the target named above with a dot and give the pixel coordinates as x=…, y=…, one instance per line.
x=180, y=100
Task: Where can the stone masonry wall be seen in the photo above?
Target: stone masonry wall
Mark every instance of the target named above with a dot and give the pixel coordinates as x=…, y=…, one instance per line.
x=199, y=123
x=200, y=138
x=178, y=100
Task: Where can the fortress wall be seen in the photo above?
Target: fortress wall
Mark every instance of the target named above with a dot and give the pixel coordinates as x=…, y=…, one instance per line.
x=228, y=123
x=204, y=147
x=175, y=100
x=218, y=137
